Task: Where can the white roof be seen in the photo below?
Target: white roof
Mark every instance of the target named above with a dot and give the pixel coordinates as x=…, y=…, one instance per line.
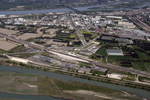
x=117, y=52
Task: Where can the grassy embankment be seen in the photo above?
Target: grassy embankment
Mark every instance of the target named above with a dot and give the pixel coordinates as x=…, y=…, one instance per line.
x=72, y=90
x=34, y=84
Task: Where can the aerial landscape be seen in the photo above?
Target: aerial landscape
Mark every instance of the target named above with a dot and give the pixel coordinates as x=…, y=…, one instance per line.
x=74, y=49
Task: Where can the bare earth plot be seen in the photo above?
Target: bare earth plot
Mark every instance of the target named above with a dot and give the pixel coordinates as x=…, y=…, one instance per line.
x=31, y=35
x=10, y=26
x=6, y=45
x=8, y=32
x=28, y=35
x=55, y=43
x=52, y=31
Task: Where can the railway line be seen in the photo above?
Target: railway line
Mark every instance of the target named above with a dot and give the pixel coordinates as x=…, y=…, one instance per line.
x=141, y=24
x=108, y=66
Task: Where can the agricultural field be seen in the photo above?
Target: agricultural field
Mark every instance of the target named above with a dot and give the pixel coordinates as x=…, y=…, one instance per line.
x=7, y=45
x=8, y=32
x=27, y=36
x=88, y=35
x=17, y=49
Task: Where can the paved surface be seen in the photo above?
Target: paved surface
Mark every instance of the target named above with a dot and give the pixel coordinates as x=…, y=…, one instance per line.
x=81, y=37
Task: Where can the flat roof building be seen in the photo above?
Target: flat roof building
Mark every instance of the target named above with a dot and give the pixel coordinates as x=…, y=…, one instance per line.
x=115, y=52
x=123, y=40
x=107, y=38
x=116, y=76
x=84, y=70
x=99, y=69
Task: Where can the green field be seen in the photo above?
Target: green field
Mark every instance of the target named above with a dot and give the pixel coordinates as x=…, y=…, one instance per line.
x=87, y=33
x=2, y=51
x=74, y=36
x=118, y=58
x=142, y=55
x=8, y=99
x=20, y=48
x=138, y=59
x=144, y=79
x=139, y=66
x=23, y=55
x=102, y=51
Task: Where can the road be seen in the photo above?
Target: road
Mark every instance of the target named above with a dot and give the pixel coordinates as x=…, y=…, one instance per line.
x=108, y=66
x=91, y=41
x=81, y=37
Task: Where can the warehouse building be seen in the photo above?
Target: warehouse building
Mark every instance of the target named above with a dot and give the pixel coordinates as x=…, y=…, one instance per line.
x=114, y=52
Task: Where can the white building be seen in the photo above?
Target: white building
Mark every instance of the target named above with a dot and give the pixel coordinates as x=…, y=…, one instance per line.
x=126, y=24
x=114, y=52
x=116, y=17
x=19, y=60
x=116, y=76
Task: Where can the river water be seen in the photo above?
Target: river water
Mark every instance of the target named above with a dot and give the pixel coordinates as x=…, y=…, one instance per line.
x=52, y=10
x=66, y=78
x=86, y=8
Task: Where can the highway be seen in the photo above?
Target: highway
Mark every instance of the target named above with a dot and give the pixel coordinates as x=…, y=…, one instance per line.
x=108, y=66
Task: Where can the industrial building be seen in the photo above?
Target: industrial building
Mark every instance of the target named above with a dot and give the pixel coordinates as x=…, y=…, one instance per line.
x=18, y=59
x=115, y=52
x=115, y=76
x=84, y=70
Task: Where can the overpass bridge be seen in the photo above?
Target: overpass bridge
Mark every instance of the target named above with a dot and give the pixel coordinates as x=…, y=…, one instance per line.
x=71, y=8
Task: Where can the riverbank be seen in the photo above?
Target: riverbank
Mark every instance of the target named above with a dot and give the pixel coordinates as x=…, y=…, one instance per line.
x=15, y=69
x=55, y=88
x=7, y=99
x=126, y=83
x=58, y=10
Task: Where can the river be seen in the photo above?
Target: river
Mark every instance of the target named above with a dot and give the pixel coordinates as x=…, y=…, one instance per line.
x=66, y=78
x=86, y=8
